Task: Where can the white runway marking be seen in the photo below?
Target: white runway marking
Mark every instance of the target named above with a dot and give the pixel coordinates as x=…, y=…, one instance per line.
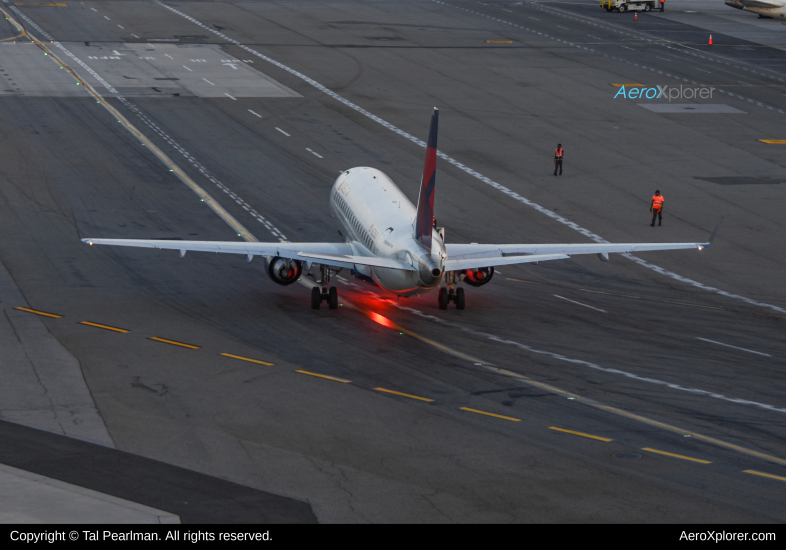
x=95, y=10
x=702, y=70
x=485, y=179
x=579, y=303
x=206, y=80
x=282, y=131
x=255, y=114
x=186, y=68
x=105, y=17
x=169, y=56
x=313, y=153
x=589, y=364
x=229, y=96
x=121, y=26
x=595, y=37
x=627, y=48
x=735, y=347
x=135, y=36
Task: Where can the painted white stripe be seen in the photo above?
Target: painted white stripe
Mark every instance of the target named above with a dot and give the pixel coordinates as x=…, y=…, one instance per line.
x=553, y=215
x=122, y=27
x=589, y=364
x=282, y=131
x=186, y=68
x=229, y=96
x=734, y=347
x=169, y=56
x=135, y=36
x=95, y=10
x=579, y=303
x=314, y=153
x=105, y=17
x=206, y=80
x=255, y=114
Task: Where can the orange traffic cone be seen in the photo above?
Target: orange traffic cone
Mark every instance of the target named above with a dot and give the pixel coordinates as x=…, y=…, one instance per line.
x=710, y=40
x=635, y=16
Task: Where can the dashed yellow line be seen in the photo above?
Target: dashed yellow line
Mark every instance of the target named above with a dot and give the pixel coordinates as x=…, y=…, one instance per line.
x=165, y=341
x=754, y=472
x=580, y=434
x=676, y=456
x=405, y=395
x=107, y=327
x=768, y=315
x=44, y=313
x=773, y=141
x=246, y=359
x=490, y=414
x=324, y=376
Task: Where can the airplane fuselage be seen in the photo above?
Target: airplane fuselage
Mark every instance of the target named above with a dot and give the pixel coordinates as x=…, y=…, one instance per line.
x=773, y=9
x=377, y=219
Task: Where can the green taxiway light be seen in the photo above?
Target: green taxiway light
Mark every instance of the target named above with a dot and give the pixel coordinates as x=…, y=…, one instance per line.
x=239, y=235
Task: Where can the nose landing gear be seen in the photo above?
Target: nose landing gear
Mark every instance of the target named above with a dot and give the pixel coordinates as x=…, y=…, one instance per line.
x=449, y=295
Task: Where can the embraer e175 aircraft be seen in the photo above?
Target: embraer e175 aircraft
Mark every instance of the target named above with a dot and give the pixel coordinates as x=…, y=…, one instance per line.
x=391, y=244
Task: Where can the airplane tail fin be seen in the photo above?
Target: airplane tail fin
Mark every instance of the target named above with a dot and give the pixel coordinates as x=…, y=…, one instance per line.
x=423, y=222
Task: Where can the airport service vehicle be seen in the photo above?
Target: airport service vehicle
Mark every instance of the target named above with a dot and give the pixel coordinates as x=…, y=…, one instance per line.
x=629, y=5
x=390, y=243
x=767, y=9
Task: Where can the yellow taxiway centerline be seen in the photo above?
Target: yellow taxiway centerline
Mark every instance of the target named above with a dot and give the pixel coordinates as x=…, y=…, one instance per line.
x=107, y=327
x=490, y=414
x=246, y=359
x=676, y=456
x=165, y=341
x=45, y=314
x=325, y=376
x=754, y=472
x=580, y=434
x=405, y=395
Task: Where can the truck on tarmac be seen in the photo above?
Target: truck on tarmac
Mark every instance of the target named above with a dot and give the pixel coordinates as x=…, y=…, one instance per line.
x=628, y=5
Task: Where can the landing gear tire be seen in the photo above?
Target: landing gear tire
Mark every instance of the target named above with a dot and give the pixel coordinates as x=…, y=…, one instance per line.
x=459, y=298
x=443, y=298
x=333, y=298
x=316, y=298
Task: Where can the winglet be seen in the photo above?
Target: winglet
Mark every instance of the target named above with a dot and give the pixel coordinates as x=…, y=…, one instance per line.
x=709, y=242
x=425, y=215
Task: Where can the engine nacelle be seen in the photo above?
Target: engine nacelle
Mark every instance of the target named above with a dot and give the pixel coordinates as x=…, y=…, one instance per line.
x=284, y=271
x=480, y=277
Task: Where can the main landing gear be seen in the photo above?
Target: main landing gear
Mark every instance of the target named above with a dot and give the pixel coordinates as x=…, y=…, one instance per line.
x=322, y=292
x=446, y=296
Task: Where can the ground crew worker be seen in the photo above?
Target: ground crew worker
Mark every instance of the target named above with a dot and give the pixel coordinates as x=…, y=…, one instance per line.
x=558, y=155
x=662, y=5
x=656, y=207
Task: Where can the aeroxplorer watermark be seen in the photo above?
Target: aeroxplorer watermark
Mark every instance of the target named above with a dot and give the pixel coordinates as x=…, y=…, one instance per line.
x=665, y=92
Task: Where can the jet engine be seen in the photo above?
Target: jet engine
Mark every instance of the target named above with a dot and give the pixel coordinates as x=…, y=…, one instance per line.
x=478, y=277
x=284, y=271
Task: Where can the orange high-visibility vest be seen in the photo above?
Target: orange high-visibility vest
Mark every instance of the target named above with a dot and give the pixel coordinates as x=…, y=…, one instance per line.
x=657, y=202
x=558, y=153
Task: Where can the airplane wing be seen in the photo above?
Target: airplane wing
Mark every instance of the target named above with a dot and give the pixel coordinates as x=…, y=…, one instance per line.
x=332, y=254
x=472, y=256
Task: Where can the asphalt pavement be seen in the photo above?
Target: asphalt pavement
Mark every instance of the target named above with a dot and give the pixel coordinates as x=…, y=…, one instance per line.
x=646, y=389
